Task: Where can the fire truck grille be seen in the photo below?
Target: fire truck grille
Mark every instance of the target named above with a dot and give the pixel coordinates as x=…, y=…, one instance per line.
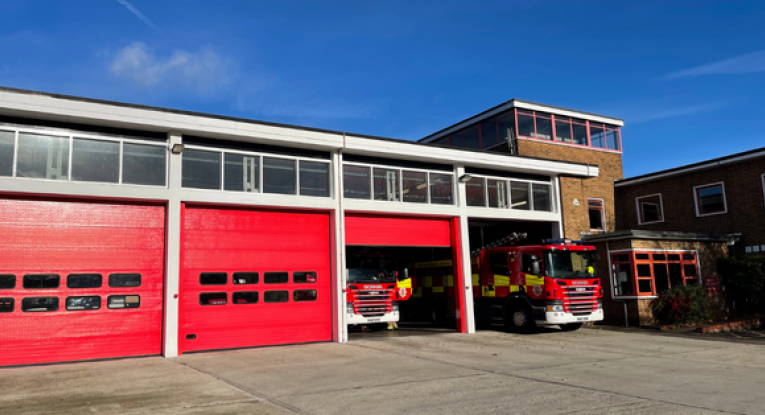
x=580, y=299
x=373, y=303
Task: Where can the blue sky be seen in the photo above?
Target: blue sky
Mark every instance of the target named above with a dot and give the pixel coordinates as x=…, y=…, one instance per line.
x=687, y=77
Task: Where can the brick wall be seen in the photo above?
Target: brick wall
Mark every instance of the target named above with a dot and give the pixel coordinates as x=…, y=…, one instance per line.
x=576, y=218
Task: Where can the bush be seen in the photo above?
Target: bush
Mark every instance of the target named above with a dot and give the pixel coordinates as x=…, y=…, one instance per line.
x=681, y=305
x=743, y=282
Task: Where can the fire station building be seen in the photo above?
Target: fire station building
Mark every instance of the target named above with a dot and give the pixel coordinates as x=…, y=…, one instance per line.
x=130, y=230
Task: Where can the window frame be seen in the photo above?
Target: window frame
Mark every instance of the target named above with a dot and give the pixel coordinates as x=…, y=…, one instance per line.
x=696, y=203
x=634, y=262
x=639, y=209
x=602, y=213
x=543, y=114
x=401, y=170
x=554, y=208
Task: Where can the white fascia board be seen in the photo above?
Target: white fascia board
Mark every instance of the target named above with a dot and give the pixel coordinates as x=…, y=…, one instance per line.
x=511, y=214
x=481, y=159
x=83, y=189
x=218, y=197
x=60, y=109
x=400, y=208
x=567, y=113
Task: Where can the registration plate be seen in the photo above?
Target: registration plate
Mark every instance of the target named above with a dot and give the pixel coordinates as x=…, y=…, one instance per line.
x=372, y=320
x=582, y=319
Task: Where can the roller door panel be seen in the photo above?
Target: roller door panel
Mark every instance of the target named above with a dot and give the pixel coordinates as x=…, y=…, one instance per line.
x=378, y=230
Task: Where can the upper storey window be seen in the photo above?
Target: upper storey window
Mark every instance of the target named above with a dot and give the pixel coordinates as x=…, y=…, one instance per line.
x=710, y=199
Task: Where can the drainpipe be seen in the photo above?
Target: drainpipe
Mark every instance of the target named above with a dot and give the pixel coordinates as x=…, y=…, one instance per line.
x=611, y=275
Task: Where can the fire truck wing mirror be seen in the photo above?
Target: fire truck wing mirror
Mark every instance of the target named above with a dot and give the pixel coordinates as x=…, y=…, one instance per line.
x=535, y=269
x=406, y=273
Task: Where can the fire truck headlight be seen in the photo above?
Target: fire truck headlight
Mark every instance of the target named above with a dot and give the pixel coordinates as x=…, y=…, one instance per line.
x=555, y=308
x=395, y=306
x=349, y=308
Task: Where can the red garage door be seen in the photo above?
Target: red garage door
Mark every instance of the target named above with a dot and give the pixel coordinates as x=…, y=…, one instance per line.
x=378, y=230
x=79, y=281
x=254, y=278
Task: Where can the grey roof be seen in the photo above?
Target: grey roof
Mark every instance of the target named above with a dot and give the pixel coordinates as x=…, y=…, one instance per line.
x=665, y=235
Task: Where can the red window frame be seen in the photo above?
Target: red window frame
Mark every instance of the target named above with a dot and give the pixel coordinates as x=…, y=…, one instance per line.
x=602, y=210
x=650, y=262
x=696, y=199
x=639, y=209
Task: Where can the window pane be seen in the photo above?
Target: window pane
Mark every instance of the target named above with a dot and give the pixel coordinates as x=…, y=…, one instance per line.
x=506, y=127
x=541, y=197
x=497, y=193
x=7, y=304
x=673, y=257
x=525, y=125
x=213, y=278
x=659, y=257
x=213, y=299
x=612, y=139
x=386, y=182
x=690, y=270
x=41, y=281
x=472, y=140
x=563, y=131
x=519, y=196
x=7, y=282
x=644, y=270
x=143, y=164
x=304, y=277
x=304, y=295
x=650, y=210
x=123, y=301
x=276, y=296
x=624, y=281
x=415, y=186
x=201, y=169
x=620, y=258
x=356, y=182
x=660, y=277
x=44, y=157
x=644, y=286
x=710, y=199
x=245, y=278
x=95, y=161
x=125, y=280
x=39, y=304
x=498, y=264
x=441, y=189
x=544, y=128
x=84, y=281
x=92, y=302
x=675, y=275
x=457, y=140
x=596, y=216
x=241, y=173
x=279, y=176
x=276, y=277
x=7, y=139
x=580, y=134
x=597, y=138
x=475, y=191
x=489, y=133
x=641, y=256
x=245, y=297
x=314, y=179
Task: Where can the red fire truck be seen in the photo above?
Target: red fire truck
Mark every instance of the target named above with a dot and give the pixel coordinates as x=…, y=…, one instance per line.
x=373, y=291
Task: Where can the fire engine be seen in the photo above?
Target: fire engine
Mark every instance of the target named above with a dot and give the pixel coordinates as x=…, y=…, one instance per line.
x=373, y=291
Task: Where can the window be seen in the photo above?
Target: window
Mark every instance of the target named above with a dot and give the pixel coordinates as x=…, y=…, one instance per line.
x=91, y=302
x=95, y=161
x=597, y=214
x=245, y=278
x=472, y=138
x=525, y=124
x=201, y=169
x=276, y=296
x=83, y=281
x=506, y=126
x=213, y=278
x=597, y=135
x=475, y=191
x=441, y=189
x=650, y=209
x=623, y=278
x=304, y=295
x=39, y=304
x=497, y=193
x=563, y=129
x=526, y=263
x=276, y=277
x=43, y=157
x=304, y=277
x=241, y=173
x=245, y=297
x=656, y=272
x=541, y=194
x=415, y=186
x=41, y=281
x=124, y=280
x=314, y=178
x=7, y=282
x=710, y=199
x=519, y=195
x=544, y=126
x=579, y=129
x=144, y=165
x=7, y=304
x=123, y=301
x=489, y=133
x=279, y=176
x=612, y=138
x=213, y=299
x=386, y=184
x=7, y=143
x=356, y=182
x=498, y=264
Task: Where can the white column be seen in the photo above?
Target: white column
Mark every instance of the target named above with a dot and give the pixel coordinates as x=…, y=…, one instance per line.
x=340, y=331
x=469, y=311
x=173, y=251
x=557, y=227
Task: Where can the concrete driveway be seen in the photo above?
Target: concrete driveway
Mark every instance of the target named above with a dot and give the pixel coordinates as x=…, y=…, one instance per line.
x=591, y=371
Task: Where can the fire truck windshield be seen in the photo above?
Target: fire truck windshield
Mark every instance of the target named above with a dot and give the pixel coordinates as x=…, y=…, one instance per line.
x=569, y=264
x=359, y=275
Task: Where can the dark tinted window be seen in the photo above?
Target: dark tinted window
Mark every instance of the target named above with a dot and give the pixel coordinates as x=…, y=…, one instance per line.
x=7, y=140
x=143, y=164
x=95, y=161
x=250, y=297
x=246, y=278
x=83, y=303
x=304, y=277
x=276, y=277
x=690, y=270
x=690, y=257
x=7, y=282
x=710, y=199
x=644, y=286
x=498, y=264
x=276, y=296
x=213, y=278
x=622, y=258
x=673, y=257
x=279, y=176
x=643, y=270
x=213, y=298
x=125, y=280
x=6, y=305
x=659, y=257
x=304, y=295
x=84, y=281
x=41, y=281
x=314, y=178
x=124, y=301
x=201, y=169
x=641, y=256
x=39, y=304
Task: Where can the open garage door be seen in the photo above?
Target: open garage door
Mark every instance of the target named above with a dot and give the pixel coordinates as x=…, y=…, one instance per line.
x=377, y=230
x=79, y=281
x=254, y=278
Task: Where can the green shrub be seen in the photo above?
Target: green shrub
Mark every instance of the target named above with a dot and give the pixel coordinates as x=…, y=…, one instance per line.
x=681, y=305
x=743, y=282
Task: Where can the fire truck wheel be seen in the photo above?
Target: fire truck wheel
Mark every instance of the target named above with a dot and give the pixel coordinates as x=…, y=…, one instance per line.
x=519, y=319
x=570, y=326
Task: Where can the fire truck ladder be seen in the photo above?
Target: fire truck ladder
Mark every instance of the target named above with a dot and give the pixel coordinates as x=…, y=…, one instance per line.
x=507, y=240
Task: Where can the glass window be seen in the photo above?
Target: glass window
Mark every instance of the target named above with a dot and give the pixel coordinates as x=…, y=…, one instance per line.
x=497, y=193
x=596, y=214
x=489, y=133
x=498, y=264
x=659, y=257
x=472, y=138
x=525, y=125
x=314, y=178
x=624, y=280
x=201, y=169
x=690, y=270
x=304, y=277
x=91, y=302
x=612, y=139
x=519, y=196
x=597, y=136
x=356, y=182
x=644, y=270
x=415, y=186
x=443, y=141
x=7, y=304
x=124, y=280
x=276, y=277
x=143, y=164
x=7, y=141
x=650, y=209
x=506, y=127
x=690, y=257
x=95, y=161
x=39, y=304
x=475, y=191
x=213, y=299
x=579, y=129
x=621, y=258
x=441, y=188
x=213, y=278
x=245, y=278
x=245, y=297
x=43, y=157
x=644, y=286
x=304, y=295
x=123, y=301
x=41, y=281
x=563, y=130
x=279, y=176
x=241, y=173
x=673, y=257
x=641, y=256
x=710, y=199
x=457, y=140
x=541, y=194
x=386, y=184
x=7, y=282
x=276, y=296
x=544, y=127
x=84, y=281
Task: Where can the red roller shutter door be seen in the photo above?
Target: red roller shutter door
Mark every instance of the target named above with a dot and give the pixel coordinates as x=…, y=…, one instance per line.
x=221, y=242
x=58, y=250
x=378, y=230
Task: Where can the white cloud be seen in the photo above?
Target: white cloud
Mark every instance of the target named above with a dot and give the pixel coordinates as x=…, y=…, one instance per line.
x=138, y=14
x=747, y=63
x=660, y=114
x=205, y=71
